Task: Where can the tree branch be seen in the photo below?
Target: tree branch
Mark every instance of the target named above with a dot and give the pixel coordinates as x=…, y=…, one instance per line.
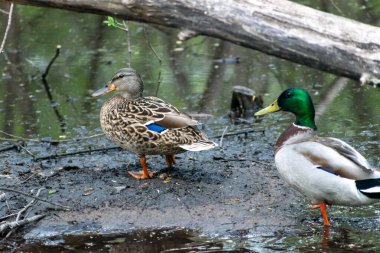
x=7, y=28
x=277, y=27
x=16, y=224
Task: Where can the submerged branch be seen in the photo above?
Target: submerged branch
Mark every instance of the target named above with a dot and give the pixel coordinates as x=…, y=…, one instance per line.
x=44, y=75
x=48, y=92
x=158, y=59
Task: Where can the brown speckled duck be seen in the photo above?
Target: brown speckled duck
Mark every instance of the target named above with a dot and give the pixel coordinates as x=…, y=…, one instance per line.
x=147, y=125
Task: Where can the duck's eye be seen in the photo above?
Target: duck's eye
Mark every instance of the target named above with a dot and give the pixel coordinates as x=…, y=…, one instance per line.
x=288, y=94
x=121, y=76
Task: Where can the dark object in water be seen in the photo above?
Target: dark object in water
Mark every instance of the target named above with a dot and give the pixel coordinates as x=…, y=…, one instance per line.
x=244, y=103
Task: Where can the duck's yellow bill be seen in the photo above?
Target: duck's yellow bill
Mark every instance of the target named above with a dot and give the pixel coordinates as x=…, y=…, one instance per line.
x=109, y=88
x=269, y=109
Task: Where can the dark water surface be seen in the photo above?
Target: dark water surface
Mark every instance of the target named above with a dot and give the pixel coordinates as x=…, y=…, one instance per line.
x=196, y=76
x=345, y=236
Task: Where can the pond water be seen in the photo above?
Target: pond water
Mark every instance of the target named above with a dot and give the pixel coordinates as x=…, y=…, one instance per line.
x=196, y=76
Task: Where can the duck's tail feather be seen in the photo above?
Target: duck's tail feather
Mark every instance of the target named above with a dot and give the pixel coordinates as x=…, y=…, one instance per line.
x=199, y=146
x=369, y=187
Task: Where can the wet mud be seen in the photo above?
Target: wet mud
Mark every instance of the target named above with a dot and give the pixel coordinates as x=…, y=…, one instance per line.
x=226, y=190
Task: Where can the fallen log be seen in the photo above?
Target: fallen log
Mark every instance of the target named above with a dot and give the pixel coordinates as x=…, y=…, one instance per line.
x=277, y=27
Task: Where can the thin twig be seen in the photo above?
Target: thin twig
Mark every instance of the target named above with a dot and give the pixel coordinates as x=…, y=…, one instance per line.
x=151, y=47
x=8, y=147
x=31, y=196
x=17, y=138
x=237, y=133
x=6, y=202
x=34, y=174
x=7, y=216
x=8, y=27
x=74, y=153
x=125, y=23
x=9, y=233
x=27, y=151
x=15, y=224
x=17, y=146
x=4, y=12
x=337, y=8
x=31, y=203
x=158, y=82
x=158, y=58
x=221, y=138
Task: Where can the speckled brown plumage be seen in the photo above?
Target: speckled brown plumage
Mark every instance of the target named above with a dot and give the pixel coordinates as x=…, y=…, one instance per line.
x=147, y=125
x=124, y=122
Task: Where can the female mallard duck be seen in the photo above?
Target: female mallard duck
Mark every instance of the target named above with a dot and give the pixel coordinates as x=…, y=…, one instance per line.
x=147, y=125
x=327, y=170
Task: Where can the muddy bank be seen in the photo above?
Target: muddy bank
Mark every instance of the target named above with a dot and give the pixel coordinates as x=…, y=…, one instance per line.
x=222, y=191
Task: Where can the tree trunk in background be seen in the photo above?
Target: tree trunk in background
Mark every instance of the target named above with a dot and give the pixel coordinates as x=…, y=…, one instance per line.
x=276, y=27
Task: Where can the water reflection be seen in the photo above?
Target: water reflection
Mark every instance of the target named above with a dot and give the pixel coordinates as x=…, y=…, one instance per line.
x=192, y=76
x=160, y=240
x=309, y=237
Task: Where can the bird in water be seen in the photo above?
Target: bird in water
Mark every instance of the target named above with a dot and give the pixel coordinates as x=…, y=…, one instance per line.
x=326, y=170
x=147, y=125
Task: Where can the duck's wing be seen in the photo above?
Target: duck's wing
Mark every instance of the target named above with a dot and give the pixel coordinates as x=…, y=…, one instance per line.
x=158, y=122
x=161, y=103
x=154, y=112
x=346, y=150
x=335, y=156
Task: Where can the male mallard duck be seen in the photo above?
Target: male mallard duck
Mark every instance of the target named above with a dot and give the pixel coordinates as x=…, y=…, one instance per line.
x=147, y=125
x=327, y=170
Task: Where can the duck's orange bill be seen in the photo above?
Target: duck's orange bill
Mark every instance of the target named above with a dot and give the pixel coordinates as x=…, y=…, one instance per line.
x=109, y=88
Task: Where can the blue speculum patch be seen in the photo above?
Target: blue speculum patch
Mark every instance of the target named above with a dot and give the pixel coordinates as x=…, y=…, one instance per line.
x=327, y=170
x=156, y=128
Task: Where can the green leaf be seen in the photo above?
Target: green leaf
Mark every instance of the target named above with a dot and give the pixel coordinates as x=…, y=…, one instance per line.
x=52, y=192
x=110, y=21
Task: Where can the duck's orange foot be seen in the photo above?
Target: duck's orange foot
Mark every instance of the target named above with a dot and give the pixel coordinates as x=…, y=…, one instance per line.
x=322, y=206
x=141, y=175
